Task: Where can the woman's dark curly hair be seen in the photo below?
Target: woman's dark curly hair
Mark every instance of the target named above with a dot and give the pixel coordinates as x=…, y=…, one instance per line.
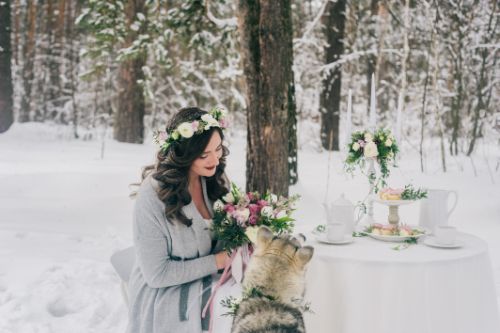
x=171, y=169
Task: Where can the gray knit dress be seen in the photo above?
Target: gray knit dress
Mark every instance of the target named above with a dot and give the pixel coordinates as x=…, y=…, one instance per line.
x=173, y=266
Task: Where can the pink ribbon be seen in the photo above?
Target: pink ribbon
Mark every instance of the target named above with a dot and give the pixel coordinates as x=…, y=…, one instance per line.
x=246, y=252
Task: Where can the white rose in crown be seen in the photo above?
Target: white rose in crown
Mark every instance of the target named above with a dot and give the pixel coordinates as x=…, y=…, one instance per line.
x=370, y=149
x=211, y=122
x=218, y=206
x=355, y=146
x=229, y=198
x=185, y=130
x=368, y=137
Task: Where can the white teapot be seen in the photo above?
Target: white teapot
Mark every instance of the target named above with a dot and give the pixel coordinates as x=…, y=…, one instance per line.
x=341, y=211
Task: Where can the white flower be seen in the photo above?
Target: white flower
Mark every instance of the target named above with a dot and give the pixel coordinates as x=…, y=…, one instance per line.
x=185, y=130
x=371, y=149
x=368, y=137
x=280, y=214
x=241, y=215
x=267, y=211
x=211, y=122
x=218, y=206
x=274, y=198
x=355, y=146
x=175, y=135
x=388, y=142
x=229, y=198
x=251, y=233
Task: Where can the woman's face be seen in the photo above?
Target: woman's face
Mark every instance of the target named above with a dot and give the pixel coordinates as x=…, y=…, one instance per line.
x=206, y=164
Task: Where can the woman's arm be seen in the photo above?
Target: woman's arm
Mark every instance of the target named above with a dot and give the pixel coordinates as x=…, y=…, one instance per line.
x=156, y=264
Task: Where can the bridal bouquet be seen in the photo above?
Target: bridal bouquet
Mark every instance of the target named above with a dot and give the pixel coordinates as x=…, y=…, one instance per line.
x=238, y=215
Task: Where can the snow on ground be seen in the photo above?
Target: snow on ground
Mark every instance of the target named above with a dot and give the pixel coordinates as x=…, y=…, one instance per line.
x=64, y=211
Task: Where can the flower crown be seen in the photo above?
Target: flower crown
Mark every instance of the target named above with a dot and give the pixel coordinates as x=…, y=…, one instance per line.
x=214, y=118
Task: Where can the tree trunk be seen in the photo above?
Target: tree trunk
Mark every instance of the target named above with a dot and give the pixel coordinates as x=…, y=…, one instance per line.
x=482, y=82
x=129, y=118
x=71, y=55
x=265, y=30
x=372, y=58
x=6, y=90
x=333, y=22
x=28, y=56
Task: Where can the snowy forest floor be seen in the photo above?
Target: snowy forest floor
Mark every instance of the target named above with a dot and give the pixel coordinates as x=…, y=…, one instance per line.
x=64, y=211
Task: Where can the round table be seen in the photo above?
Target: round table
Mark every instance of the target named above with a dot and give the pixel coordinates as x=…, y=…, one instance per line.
x=366, y=286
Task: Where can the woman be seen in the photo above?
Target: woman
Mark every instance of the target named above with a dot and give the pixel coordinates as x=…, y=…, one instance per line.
x=170, y=282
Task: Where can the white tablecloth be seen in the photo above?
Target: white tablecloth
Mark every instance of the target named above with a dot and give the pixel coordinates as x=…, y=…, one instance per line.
x=366, y=287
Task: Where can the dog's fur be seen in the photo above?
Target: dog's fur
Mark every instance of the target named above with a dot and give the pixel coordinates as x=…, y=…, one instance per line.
x=277, y=269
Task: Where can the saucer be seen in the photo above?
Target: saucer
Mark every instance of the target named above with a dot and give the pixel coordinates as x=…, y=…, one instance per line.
x=323, y=239
x=431, y=241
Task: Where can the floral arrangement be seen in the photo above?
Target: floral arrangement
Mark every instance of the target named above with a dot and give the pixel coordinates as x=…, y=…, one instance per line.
x=380, y=145
x=392, y=230
x=238, y=215
x=214, y=118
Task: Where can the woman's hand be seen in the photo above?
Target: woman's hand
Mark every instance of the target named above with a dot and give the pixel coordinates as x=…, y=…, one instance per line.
x=221, y=259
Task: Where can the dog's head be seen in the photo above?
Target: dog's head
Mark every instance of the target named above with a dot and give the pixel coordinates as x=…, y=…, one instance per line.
x=278, y=265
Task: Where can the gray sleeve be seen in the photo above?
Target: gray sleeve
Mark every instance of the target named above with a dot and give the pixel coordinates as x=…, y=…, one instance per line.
x=158, y=269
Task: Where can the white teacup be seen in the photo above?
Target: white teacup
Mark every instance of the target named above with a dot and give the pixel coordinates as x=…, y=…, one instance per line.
x=445, y=234
x=335, y=231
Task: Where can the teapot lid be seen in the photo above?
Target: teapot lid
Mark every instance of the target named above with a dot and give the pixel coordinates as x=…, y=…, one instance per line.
x=342, y=201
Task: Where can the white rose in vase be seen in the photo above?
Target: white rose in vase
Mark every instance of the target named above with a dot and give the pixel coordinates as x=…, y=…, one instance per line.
x=371, y=150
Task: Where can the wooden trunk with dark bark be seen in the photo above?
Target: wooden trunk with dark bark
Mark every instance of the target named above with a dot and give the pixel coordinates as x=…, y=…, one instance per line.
x=6, y=103
x=129, y=117
x=28, y=56
x=265, y=29
x=333, y=26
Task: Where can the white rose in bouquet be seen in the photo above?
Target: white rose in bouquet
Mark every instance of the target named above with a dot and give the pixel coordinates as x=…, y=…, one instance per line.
x=368, y=137
x=280, y=214
x=388, y=142
x=218, y=206
x=355, y=146
x=267, y=211
x=371, y=150
x=242, y=215
x=274, y=198
x=229, y=198
x=251, y=233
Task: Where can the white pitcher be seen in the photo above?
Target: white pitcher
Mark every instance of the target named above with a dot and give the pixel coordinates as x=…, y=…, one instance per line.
x=434, y=210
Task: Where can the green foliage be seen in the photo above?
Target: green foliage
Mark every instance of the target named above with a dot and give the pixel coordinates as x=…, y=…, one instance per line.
x=410, y=193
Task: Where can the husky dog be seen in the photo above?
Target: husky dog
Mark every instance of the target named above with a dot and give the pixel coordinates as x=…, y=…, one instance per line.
x=277, y=272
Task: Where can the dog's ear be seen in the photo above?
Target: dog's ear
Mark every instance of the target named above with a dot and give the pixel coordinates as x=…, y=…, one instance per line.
x=264, y=237
x=304, y=255
x=300, y=239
